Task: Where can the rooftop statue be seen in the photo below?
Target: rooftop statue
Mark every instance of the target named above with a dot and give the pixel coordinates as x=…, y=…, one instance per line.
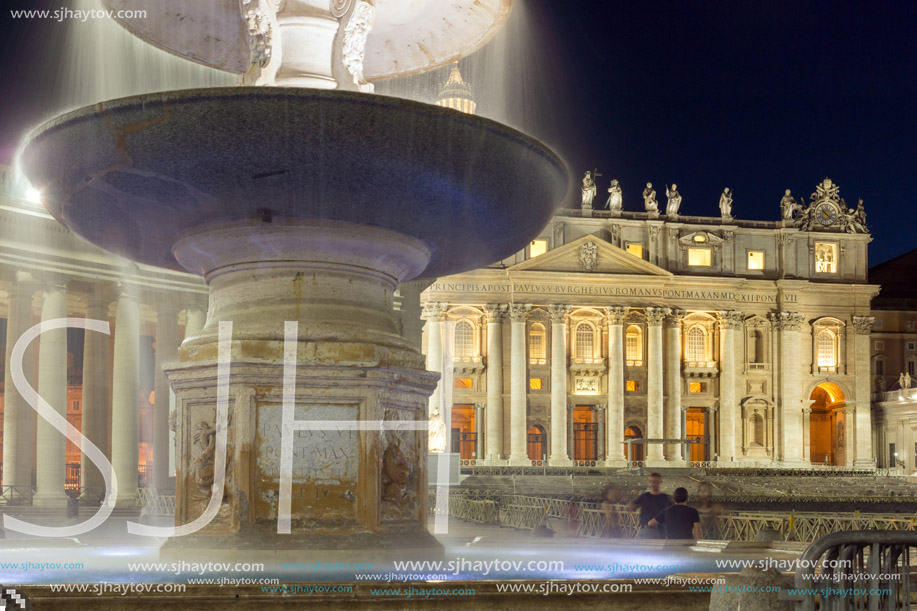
x=674, y=200
x=615, y=198
x=726, y=203
x=788, y=206
x=649, y=198
x=588, y=190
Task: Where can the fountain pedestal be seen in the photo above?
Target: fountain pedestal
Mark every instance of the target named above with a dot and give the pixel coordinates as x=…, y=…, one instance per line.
x=360, y=475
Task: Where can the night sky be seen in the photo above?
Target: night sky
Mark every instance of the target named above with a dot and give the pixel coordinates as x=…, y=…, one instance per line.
x=756, y=96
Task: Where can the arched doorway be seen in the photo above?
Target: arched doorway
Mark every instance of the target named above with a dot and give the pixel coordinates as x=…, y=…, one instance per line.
x=536, y=446
x=828, y=425
x=636, y=449
x=464, y=437
x=585, y=433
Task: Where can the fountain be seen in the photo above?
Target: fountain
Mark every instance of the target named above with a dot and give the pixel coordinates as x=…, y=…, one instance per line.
x=303, y=208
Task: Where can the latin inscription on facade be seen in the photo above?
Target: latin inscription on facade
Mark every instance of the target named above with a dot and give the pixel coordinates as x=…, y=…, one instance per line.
x=605, y=291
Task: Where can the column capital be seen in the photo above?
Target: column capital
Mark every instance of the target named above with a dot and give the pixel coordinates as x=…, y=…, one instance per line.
x=434, y=312
x=863, y=324
x=807, y=410
x=685, y=409
x=518, y=311
x=600, y=407
x=655, y=316
x=479, y=406
x=495, y=312
x=558, y=313
x=616, y=314
x=675, y=317
x=730, y=319
x=786, y=321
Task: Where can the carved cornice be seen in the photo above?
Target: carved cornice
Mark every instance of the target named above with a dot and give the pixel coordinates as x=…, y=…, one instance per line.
x=434, y=312
x=616, y=314
x=655, y=316
x=863, y=324
x=730, y=319
x=495, y=312
x=558, y=313
x=518, y=311
x=786, y=321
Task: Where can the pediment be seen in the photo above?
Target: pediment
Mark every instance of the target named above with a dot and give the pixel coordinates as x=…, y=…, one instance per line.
x=590, y=255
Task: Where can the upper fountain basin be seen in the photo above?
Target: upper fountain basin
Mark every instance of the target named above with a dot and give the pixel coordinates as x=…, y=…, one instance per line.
x=133, y=175
x=409, y=36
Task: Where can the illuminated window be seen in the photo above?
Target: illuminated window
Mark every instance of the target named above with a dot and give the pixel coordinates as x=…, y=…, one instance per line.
x=826, y=257
x=700, y=238
x=464, y=339
x=463, y=382
x=632, y=385
x=696, y=348
x=538, y=248
x=585, y=341
x=536, y=383
x=826, y=346
x=697, y=387
x=635, y=249
x=699, y=257
x=755, y=259
x=633, y=346
x=537, y=346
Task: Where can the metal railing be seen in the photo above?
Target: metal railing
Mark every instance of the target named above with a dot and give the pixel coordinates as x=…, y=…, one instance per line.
x=16, y=495
x=155, y=503
x=873, y=572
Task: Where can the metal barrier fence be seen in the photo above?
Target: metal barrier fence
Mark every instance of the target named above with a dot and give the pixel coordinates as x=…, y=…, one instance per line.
x=873, y=573
x=528, y=512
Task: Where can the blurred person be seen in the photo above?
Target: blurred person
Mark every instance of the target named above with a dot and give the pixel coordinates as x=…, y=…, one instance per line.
x=610, y=498
x=708, y=509
x=651, y=503
x=679, y=521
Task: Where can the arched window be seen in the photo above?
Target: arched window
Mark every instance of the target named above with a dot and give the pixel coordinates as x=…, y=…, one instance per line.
x=826, y=347
x=633, y=345
x=757, y=430
x=464, y=339
x=696, y=349
x=585, y=340
x=758, y=352
x=537, y=347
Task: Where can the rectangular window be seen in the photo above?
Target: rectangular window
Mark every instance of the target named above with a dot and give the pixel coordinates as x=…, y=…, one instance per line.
x=632, y=385
x=826, y=257
x=538, y=248
x=880, y=368
x=910, y=369
x=880, y=345
x=463, y=382
x=536, y=383
x=635, y=249
x=892, y=455
x=755, y=259
x=909, y=325
x=912, y=345
x=877, y=324
x=697, y=387
x=699, y=257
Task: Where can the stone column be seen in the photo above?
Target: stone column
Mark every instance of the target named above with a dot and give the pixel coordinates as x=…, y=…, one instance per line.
x=787, y=325
x=600, y=435
x=806, y=432
x=493, y=435
x=18, y=430
x=478, y=438
x=862, y=429
x=729, y=322
x=125, y=396
x=166, y=352
x=518, y=387
x=52, y=386
x=194, y=321
x=673, y=384
x=614, y=420
x=96, y=380
x=571, y=433
x=434, y=314
x=560, y=453
x=654, y=406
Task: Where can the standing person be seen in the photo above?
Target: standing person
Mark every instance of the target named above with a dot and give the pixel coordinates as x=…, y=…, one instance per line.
x=609, y=499
x=651, y=503
x=708, y=509
x=679, y=520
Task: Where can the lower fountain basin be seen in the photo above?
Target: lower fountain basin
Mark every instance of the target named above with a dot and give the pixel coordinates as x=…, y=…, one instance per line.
x=134, y=175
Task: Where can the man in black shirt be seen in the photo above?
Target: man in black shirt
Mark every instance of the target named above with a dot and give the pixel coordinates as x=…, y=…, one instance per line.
x=651, y=504
x=679, y=521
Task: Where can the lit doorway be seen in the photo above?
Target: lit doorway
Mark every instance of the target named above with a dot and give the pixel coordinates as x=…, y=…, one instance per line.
x=828, y=425
x=696, y=432
x=585, y=433
x=464, y=437
x=536, y=443
x=636, y=449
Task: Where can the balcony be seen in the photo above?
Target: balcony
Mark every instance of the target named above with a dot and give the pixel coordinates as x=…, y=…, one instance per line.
x=701, y=369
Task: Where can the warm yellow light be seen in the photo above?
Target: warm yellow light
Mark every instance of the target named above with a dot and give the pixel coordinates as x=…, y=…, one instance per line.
x=538, y=248
x=635, y=249
x=699, y=257
x=755, y=259
x=535, y=383
x=632, y=386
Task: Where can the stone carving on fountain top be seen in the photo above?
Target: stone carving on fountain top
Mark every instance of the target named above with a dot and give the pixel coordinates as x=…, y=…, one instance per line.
x=260, y=17
x=358, y=18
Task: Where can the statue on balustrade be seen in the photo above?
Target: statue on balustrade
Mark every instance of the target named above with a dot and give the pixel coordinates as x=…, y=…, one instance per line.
x=674, y=200
x=726, y=203
x=615, y=198
x=649, y=198
x=588, y=190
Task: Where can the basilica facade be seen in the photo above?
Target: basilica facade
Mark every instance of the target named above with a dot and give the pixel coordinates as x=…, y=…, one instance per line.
x=662, y=339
